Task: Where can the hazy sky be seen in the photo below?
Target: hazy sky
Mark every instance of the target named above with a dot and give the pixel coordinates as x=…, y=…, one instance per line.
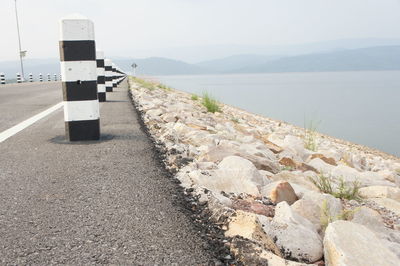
x=126, y=27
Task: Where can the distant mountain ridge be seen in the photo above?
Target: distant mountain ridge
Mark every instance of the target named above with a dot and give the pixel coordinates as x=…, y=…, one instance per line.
x=372, y=58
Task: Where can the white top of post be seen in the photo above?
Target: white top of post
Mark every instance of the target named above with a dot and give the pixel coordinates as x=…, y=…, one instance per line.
x=99, y=54
x=76, y=28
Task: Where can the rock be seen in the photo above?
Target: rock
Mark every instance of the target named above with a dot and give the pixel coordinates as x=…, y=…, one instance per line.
x=295, y=236
x=310, y=207
x=380, y=192
x=296, y=144
x=247, y=225
x=348, y=243
x=298, y=189
x=254, y=207
x=273, y=147
x=296, y=178
x=367, y=217
x=389, y=204
x=327, y=160
x=283, y=191
x=293, y=165
x=242, y=167
x=219, y=152
x=252, y=254
x=321, y=166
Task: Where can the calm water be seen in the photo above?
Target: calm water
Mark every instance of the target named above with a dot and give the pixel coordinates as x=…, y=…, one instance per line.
x=362, y=107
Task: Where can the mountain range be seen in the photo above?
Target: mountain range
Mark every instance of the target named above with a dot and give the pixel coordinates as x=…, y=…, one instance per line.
x=370, y=58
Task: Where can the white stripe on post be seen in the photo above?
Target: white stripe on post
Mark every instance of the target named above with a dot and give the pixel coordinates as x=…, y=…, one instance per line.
x=79, y=77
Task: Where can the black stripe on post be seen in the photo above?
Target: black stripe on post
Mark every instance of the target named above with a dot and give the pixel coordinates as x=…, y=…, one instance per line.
x=83, y=130
x=77, y=51
x=79, y=90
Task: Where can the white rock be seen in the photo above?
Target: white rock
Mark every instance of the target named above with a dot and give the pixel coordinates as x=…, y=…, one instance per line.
x=321, y=166
x=310, y=207
x=294, y=235
x=347, y=243
x=380, y=192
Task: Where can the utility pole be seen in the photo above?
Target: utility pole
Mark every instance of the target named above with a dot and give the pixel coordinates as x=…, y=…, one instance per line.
x=21, y=53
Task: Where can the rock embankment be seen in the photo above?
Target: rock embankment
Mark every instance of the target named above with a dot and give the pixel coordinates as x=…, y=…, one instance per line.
x=279, y=200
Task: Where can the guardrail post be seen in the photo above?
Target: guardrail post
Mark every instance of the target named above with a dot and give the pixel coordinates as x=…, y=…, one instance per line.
x=108, y=68
x=55, y=77
x=79, y=78
x=101, y=79
x=2, y=79
x=48, y=77
x=30, y=77
x=19, y=78
x=40, y=77
x=114, y=81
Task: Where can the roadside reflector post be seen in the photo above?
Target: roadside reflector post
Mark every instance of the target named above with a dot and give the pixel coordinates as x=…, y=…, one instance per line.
x=40, y=77
x=114, y=76
x=79, y=78
x=19, y=78
x=55, y=77
x=48, y=77
x=101, y=79
x=108, y=69
x=30, y=77
x=2, y=79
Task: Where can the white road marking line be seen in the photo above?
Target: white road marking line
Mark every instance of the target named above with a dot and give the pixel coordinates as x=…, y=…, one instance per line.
x=21, y=126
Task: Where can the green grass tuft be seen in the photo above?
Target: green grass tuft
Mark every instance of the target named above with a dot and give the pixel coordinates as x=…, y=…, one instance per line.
x=194, y=97
x=343, y=189
x=210, y=103
x=310, y=137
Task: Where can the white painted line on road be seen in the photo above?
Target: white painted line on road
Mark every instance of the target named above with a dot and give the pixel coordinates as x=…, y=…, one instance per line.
x=21, y=126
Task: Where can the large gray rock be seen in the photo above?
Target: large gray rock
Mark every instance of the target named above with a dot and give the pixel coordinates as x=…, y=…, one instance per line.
x=295, y=236
x=347, y=243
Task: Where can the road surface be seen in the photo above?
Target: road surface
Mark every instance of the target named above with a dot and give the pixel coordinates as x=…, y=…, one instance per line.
x=85, y=203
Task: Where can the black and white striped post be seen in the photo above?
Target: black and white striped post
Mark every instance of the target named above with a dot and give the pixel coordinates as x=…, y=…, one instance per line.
x=40, y=77
x=114, y=76
x=101, y=79
x=48, y=77
x=30, y=77
x=2, y=79
x=19, y=80
x=108, y=69
x=55, y=77
x=79, y=78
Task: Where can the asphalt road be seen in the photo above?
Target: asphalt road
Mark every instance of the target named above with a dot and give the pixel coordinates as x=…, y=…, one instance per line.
x=85, y=203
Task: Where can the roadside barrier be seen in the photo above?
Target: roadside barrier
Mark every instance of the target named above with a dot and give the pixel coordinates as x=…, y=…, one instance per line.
x=2, y=79
x=40, y=77
x=48, y=77
x=79, y=77
x=55, y=77
x=19, y=80
x=101, y=79
x=30, y=77
x=109, y=74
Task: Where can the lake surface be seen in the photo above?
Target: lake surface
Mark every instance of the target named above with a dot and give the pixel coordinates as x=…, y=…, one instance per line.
x=361, y=107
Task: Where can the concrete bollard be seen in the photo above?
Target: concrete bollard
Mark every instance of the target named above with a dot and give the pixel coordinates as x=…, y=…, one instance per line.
x=79, y=78
x=114, y=81
x=2, y=79
x=108, y=69
x=40, y=77
x=30, y=77
x=55, y=77
x=48, y=77
x=101, y=79
x=19, y=80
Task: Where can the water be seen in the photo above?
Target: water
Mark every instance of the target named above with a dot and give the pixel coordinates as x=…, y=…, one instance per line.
x=362, y=107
